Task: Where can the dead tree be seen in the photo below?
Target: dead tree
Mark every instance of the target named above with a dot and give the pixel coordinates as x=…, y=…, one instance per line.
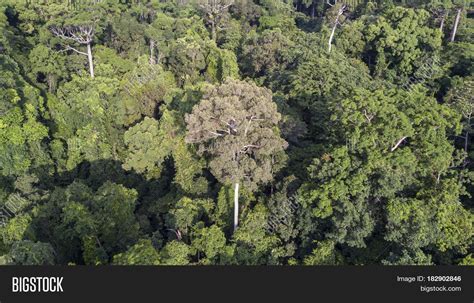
x=336, y=22
x=80, y=34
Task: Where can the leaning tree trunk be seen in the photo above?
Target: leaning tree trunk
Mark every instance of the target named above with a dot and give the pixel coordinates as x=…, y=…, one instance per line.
x=456, y=24
x=336, y=22
x=89, y=56
x=236, y=206
x=441, y=26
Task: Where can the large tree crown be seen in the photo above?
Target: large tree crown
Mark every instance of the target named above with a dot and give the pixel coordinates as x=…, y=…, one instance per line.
x=235, y=124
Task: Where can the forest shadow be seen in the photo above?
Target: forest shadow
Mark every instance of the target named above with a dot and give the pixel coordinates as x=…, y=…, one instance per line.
x=94, y=174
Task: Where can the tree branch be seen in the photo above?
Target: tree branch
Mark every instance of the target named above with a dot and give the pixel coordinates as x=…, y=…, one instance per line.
x=245, y=148
x=248, y=125
x=398, y=143
x=216, y=134
x=367, y=116
x=73, y=49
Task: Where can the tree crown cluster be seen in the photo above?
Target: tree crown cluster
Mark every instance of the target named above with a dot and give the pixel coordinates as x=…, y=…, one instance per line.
x=249, y=132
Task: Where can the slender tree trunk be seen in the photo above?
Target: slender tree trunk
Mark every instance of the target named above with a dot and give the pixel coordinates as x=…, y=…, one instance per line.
x=312, y=11
x=89, y=56
x=331, y=37
x=50, y=78
x=158, y=59
x=213, y=31
x=152, y=52
x=456, y=24
x=445, y=16
x=236, y=206
x=466, y=141
x=336, y=22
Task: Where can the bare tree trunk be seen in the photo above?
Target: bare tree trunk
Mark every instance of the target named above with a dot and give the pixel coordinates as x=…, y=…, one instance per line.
x=331, y=37
x=83, y=35
x=89, y=56
x=158, y=59
x=236, y=206
x=312, y=11
x=50, y=79
x=152, y=52
x=213, y=31
x=445, y=16
x=456, y=24
x=466, y=141
x=336, y=22
x=397, y=144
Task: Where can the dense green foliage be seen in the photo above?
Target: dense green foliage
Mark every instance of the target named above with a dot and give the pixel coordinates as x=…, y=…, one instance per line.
x=127, y=126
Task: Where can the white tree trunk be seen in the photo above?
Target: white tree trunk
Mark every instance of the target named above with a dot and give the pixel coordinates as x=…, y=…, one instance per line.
x=336, y=22
x=456, y=23
x=51, y=80
x=152, y=52
x=213, y=31
x=236, y=206
x=89, y=56
x=397, y=144
x=441, y=26
x=332, y=36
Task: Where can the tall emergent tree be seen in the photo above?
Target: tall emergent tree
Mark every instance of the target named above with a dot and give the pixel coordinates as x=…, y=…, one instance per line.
x=235, y=125
x=214, y=11
x=338, y=10
x=80, y=34
x=460, y=97
x=459, y=5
